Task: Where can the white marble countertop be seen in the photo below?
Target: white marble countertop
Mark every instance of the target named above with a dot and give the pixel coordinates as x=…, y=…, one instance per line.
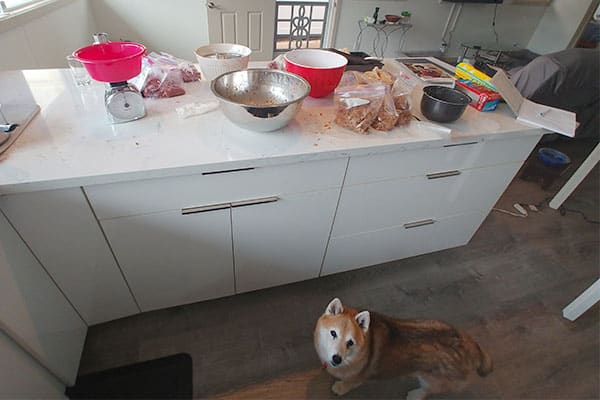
x=71, y=143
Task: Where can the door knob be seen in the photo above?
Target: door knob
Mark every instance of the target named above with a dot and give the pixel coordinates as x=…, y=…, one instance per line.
x=211, y=5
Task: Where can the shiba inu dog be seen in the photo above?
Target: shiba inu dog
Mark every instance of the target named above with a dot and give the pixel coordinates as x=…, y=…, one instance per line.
x=356, y=346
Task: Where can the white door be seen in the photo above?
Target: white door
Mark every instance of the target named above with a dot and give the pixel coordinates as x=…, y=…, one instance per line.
x=247, y=22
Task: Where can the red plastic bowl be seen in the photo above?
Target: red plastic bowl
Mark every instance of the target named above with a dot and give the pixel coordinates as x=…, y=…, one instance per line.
x=112, y=61
x=321, y=68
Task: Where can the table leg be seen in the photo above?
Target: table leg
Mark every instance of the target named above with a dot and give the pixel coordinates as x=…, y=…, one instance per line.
x=358, y=37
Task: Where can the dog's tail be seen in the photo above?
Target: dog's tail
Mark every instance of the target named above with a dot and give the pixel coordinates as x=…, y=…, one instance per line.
x=485, y=363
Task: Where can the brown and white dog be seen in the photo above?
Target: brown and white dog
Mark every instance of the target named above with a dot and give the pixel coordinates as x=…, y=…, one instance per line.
x=357, y=346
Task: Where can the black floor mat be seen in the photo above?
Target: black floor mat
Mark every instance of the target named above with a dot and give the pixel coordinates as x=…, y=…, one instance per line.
x=165, y=378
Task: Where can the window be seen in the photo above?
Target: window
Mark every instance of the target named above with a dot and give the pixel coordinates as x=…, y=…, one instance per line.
x=300, y=24
x=8, y=7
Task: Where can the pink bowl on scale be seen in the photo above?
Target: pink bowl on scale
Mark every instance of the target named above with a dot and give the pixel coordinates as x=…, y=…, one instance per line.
x=112, y=61
x=321, y=68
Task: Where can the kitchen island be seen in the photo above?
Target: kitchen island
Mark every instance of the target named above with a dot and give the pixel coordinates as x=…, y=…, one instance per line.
x=114, y=220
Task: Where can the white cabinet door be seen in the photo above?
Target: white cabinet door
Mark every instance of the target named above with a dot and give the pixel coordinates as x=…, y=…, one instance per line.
x=34, y=312
x=170, y=259
x=21, y=377
x=282, y=241
x=62, y=232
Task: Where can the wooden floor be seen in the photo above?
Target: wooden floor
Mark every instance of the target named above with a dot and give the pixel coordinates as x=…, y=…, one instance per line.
x=507, y=288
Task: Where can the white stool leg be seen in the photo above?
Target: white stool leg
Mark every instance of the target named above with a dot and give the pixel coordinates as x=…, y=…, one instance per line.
x=576, y=178
x=583, y=302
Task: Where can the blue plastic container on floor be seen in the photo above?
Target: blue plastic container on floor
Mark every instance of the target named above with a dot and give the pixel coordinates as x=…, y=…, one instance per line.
x=553, y=158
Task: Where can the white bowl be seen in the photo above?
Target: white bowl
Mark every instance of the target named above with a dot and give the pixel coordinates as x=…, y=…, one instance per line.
x=219, y=58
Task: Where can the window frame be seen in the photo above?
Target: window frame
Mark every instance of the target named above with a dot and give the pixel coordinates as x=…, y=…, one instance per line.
x=24, y=7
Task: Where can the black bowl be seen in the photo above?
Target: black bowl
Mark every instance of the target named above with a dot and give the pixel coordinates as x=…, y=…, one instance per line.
x=443, y=104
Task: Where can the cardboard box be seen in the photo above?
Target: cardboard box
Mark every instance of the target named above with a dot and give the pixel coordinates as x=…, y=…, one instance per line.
x=482, y=98
x=424, y=71
x=468, y=72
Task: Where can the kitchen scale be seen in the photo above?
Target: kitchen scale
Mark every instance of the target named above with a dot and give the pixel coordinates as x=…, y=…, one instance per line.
x=115, y=63
x=123, y=102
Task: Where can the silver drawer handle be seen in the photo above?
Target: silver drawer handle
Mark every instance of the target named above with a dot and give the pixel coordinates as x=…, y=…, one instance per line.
x=444, y=174
x=419, y=223
x=226, y=171
x=460, y=144
x=223, y=206
x=252, y=202
x=201, y=209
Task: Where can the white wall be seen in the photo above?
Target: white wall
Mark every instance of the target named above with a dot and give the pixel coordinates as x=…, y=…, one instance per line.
x=176, y=26
x=42, y=38
x=558, y=25
x=515, y=23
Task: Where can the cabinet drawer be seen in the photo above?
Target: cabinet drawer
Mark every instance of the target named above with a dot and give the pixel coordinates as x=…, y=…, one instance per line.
x=376, y=247
x=457, y=156
x=378, y=205
x=212, y=187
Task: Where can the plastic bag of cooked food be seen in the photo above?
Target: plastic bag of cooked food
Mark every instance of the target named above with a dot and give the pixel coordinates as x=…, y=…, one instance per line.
x=353, y=78
x=392, y=96
x=387, y=117
x=379, y=75
x=401, y=94
x=358, y=106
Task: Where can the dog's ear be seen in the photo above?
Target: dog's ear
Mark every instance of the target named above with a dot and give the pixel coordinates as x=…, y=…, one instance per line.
x=363, y=319
x=334, y=307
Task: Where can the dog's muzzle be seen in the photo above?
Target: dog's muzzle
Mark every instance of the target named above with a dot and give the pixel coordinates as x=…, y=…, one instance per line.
x=336, y=360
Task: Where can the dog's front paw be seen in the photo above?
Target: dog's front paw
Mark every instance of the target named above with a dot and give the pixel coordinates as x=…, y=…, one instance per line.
x=340, y=388
x=416, y=394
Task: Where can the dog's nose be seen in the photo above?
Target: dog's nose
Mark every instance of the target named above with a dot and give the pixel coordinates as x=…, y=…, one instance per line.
x=336, y=359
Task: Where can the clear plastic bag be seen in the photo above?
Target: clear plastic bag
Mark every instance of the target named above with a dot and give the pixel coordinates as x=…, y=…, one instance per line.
x=358, y=106
x=278, y=63
x=353, y=78
x=379, y=75
x=387, y=117
x=189, y=72
x=158, y=79
x=163, y=75
x=401, y=94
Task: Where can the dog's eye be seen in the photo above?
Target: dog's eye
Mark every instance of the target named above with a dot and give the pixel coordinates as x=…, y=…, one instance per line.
x=333, y=334
x=349, y=343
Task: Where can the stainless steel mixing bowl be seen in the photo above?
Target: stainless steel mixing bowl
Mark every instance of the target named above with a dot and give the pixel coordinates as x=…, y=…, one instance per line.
x=260, y=100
